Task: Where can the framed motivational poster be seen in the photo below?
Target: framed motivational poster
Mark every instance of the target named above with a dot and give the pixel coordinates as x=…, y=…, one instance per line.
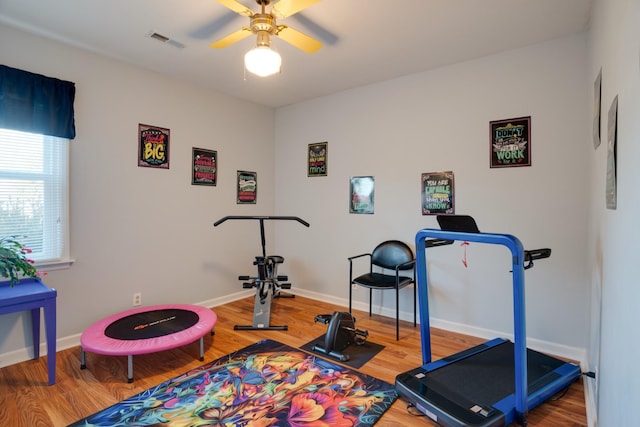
x=597, y=107
x=247, y=187
x=317, y=159
x=205, y=167
x=437, y=193
x=612, y=156
x=153, y=147
x=510, y=142
x=361, y=190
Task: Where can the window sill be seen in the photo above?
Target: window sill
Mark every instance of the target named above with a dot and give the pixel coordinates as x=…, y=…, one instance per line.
x=62, y=264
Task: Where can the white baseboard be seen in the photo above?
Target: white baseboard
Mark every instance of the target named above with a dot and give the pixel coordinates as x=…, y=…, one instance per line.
x=226, y=299
x=590, y=401
x=559, y=350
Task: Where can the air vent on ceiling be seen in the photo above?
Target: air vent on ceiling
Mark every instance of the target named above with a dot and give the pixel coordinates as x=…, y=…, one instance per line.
x=166, y=40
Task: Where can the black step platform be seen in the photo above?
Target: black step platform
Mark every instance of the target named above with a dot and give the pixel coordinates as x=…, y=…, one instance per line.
x=476, y=387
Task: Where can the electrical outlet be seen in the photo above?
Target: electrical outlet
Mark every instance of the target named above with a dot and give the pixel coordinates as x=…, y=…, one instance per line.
x=137, y=299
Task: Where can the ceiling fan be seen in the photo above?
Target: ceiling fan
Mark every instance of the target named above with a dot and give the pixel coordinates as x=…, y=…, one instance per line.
x=265, y=25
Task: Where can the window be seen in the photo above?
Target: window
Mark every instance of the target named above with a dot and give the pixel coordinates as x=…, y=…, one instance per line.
x=34, y=193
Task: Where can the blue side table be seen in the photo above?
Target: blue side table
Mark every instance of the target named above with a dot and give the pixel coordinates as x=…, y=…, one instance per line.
x=31, y=294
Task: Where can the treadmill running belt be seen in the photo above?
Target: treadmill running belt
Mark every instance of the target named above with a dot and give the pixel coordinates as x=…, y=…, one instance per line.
x=487, y=377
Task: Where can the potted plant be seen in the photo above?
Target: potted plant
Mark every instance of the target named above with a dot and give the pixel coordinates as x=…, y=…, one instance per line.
x=14, y=263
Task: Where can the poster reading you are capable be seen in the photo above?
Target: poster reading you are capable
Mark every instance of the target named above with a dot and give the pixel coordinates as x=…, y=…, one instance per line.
x=437, y=193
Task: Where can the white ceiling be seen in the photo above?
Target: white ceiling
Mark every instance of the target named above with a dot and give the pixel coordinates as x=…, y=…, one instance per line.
x=365, y=41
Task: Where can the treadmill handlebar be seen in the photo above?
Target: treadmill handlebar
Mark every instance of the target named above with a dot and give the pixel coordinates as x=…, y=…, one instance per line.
x=529, y=255
x=434, y=243
x=534, y=254
x=261, y=218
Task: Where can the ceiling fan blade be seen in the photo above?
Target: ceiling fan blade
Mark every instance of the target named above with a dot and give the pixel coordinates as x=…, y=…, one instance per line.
x=285, y=8
x=237, y=7
x=231, y=38
x=298, y=39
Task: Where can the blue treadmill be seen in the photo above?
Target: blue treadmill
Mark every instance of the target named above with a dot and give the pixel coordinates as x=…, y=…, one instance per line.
x=494, y=383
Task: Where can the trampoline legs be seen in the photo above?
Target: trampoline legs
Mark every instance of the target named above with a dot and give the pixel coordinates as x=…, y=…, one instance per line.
x=83, y=361
x=130, y=368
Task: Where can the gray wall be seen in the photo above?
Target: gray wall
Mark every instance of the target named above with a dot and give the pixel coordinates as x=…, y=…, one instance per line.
x=439, y=121
x=613, y=234
x=139, y=229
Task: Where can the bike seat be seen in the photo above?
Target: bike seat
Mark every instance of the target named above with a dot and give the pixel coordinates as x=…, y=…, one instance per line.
x=276, y=259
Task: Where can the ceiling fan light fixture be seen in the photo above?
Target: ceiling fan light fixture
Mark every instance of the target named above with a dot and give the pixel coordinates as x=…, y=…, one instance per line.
x=262, y=61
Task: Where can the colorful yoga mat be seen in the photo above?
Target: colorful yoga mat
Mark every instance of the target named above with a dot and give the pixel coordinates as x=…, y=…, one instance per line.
x=264, y=384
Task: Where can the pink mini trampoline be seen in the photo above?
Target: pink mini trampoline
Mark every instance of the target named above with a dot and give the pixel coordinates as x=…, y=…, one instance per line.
x=146, y=330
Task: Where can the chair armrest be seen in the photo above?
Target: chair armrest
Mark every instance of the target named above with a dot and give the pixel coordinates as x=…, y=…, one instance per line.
x=351, y=264
x=358, y=256
x=412, y=262
x=408, y=263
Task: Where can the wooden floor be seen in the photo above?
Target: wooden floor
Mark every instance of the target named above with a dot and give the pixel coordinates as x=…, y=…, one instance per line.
x=27, y=400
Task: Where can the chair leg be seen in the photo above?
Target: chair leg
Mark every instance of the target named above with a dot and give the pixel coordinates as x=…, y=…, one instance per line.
x=370, y=300
x=350, y=294
x=397, y=313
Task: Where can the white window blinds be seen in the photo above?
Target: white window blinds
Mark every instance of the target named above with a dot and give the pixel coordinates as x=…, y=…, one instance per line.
x=34, y=193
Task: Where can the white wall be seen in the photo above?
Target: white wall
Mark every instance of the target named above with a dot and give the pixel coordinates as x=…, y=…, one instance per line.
x=439, y=121
x=613, y=234
x=139, y=229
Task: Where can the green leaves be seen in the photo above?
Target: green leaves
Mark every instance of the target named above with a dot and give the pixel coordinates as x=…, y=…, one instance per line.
x=14, y=263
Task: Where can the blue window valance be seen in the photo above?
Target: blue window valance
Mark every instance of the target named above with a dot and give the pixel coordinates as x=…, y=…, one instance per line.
x=35, y=103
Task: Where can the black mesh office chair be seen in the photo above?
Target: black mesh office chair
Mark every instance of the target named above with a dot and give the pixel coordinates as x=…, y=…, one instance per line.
x=389, y=259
